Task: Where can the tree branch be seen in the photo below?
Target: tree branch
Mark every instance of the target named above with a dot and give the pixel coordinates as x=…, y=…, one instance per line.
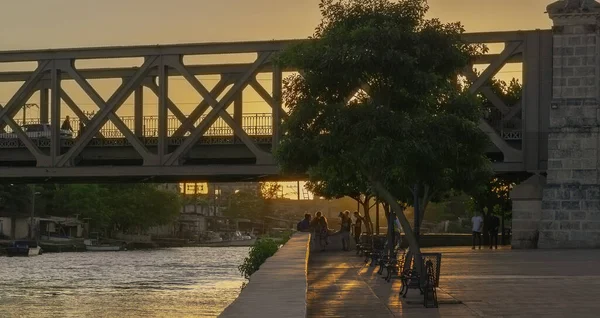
x=389, y=198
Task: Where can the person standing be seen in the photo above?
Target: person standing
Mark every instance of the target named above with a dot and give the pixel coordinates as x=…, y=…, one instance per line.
x=304, y=225
x=357, y=227
x=477, y=222
x=66, y=125
x=81, y=128
x=345, y=229
x=321, y=230
x=493, y=227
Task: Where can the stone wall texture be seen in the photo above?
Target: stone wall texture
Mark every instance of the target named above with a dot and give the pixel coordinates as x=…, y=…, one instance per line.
x=570, y=211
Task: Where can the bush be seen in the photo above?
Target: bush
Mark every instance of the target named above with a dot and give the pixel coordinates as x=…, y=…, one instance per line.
x=260, y=251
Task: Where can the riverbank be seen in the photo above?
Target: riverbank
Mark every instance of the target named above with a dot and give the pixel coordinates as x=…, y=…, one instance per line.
x=278, y=288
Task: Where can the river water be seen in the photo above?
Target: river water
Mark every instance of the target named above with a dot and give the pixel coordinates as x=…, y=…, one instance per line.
x=177, y=282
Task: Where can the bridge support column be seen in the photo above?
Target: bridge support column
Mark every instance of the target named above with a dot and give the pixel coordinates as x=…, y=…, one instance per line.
x=570, y=215
x=527, y=212
x=238, y=111
x=138, y=112
x=277, y=92
x=44, y=105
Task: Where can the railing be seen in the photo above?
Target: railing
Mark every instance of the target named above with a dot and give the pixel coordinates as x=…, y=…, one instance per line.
x=507, y=128
x=254, y=124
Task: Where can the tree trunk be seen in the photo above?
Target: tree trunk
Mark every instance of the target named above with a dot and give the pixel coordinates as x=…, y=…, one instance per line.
x=408, y=232
x=366, y=208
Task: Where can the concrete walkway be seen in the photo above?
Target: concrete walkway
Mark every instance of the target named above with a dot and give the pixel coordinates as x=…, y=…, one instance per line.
x=498, y=283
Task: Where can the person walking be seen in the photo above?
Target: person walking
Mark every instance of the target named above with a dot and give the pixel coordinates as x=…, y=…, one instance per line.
x=477, y=222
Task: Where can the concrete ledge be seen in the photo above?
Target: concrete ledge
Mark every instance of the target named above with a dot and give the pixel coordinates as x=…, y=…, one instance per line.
x=278, y=288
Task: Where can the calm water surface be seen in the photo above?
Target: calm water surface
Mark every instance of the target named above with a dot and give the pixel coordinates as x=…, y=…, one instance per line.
x=178, y=282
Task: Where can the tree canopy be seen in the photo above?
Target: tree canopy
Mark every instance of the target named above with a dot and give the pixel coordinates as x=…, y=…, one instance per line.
x=124, y=207
x=250, y=204
x=379, y=96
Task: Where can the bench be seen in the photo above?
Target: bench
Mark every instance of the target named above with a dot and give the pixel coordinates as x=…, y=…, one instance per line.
x=393, y=265
x=431, y=263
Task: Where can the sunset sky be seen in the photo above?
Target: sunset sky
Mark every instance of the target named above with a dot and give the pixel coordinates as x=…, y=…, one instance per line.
x=82, y=23
x=74, y=23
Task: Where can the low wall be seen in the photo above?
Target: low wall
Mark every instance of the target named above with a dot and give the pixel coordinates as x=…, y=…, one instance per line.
x=278, y=288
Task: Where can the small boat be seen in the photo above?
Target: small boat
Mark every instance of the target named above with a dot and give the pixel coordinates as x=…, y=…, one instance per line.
x=24, y=248
x=96, y=246
x=234, y=239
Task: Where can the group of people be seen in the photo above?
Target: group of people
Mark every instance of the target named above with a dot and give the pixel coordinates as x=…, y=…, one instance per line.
x=66, y=125
x=320, y=228
x=488, y=224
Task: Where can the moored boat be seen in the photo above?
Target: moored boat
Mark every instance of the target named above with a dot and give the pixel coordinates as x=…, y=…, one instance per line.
x=23, y=248
x=96, y=246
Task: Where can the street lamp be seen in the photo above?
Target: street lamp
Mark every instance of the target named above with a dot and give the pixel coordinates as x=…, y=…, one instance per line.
x=25, y=111
x=31, y=225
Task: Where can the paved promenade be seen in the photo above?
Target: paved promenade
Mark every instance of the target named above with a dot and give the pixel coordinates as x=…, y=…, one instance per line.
x=480, y=283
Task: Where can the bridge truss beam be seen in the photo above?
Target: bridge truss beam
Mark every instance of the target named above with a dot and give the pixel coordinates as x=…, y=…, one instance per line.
x=531, y=48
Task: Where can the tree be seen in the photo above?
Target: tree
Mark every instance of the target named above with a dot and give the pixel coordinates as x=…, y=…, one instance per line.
x=379, y=92
x=137, y=207
x=126, y=207
x=88, y=201
x=495, y=196
x=253, y=205
x=14, y=197
x=270, y=190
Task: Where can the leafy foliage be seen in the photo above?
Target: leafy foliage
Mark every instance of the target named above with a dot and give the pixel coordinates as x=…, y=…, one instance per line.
x=260, y=251
x=127, y=207
x=249, y=204
x=379, y=99
x=14, y=198
x=495, y=196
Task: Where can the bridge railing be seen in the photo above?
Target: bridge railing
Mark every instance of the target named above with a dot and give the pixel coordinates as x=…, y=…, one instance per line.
x=254, y=124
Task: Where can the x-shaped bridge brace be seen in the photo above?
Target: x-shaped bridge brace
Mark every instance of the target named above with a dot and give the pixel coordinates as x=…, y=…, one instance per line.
x=478, y=84
x=140, y=78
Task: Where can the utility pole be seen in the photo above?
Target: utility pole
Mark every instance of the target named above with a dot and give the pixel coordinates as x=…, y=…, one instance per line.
x=31, y=224
x=25, y=106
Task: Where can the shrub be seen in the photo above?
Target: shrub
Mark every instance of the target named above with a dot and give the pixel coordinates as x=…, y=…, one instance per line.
x=260, y=251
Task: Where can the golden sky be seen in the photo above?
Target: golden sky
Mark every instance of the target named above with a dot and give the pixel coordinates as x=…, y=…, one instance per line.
x=73, y=23
x=42, y=24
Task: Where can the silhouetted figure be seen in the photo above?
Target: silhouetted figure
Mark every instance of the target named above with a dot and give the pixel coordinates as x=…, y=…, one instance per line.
x=346, y=225
x=321, y=230
x=66, y=125
x=357, y=226
x=493, y=226
x=304, y=225
x=81, y=128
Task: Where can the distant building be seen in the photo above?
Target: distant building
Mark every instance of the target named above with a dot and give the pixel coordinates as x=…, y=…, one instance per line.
x=47, y=228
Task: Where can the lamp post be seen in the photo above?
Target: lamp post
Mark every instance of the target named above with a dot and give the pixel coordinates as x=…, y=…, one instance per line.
x=32, y=227
x=25, y=111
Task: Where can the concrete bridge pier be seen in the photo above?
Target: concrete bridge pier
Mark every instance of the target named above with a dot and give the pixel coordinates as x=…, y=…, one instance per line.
x=527, y=212
x=570, y=211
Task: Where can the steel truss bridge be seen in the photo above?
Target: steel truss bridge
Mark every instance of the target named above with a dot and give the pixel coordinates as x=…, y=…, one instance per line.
x=211, y=142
